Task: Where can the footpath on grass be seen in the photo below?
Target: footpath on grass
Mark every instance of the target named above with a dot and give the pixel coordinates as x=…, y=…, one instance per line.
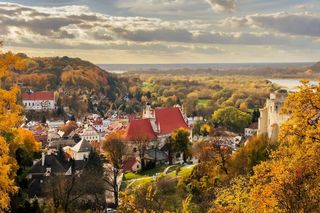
x=135, y=179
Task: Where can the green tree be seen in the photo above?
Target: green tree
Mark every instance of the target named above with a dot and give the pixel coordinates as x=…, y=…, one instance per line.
x=232, y=118
x=181, y=141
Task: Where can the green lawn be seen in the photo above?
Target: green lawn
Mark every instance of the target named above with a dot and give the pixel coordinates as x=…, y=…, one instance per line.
x=203, y=102
x=147, y=173
x=184, y=171
x=144, y=177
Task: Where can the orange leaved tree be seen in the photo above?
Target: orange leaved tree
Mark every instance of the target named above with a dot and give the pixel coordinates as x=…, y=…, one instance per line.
x=11, y=136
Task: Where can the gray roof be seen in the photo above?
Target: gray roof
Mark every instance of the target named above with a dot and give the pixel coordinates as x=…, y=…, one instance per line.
x=51, y=161
x=160, y=155
x=61, y=142
x=82, y=146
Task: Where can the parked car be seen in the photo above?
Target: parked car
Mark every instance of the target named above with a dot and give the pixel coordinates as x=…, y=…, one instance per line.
x=109, y=210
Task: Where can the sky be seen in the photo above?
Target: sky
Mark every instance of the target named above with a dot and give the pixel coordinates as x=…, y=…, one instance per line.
x=164, y=31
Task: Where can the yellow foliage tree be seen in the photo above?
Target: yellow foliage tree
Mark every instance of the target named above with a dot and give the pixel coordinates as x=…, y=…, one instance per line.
x=205, y=129
x=290, y=180
x=11, y=136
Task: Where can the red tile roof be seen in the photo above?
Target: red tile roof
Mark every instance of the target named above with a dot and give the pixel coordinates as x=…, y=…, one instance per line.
x=169, y=119
x=140, y=128
x=128, y=164
x=97, y=122
x=38, y=96
x=253, y=125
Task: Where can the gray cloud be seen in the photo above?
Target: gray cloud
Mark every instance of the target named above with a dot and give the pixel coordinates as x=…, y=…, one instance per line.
x=295, y=24
x=162, y=34
x=222, y=5
x=79, y=28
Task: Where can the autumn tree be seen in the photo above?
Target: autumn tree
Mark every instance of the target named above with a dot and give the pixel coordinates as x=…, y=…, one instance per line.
x=256, y=150
x=11, y=136
x=161, y=195
x=290, y=180
x=233, y=197
x=205, y=129
x=115, y=150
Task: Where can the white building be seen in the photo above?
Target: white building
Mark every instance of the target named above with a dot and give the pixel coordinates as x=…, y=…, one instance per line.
x=98, y=125
x=90, y=134
x=55, y=124
x=270, y=117
x=39, y=101
x=251, y=130
x=80, y=151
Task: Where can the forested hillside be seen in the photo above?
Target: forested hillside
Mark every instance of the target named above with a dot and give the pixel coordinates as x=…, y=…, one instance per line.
x=55, y=72
x=79, y=85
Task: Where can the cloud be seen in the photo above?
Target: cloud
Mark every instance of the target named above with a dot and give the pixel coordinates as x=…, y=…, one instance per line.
x=303, y=24
x=77, y=27
x=295, y=24
x=222, y=5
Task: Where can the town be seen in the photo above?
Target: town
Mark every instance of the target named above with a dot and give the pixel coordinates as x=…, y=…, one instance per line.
x=167, y=106
x=69, y=145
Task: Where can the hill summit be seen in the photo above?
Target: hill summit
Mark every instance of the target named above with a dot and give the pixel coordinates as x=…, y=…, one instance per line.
x=52, y=73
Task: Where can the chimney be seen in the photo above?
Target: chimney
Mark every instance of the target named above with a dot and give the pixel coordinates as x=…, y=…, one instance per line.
x=43, y=157
x=159, y=130
x=148, y=110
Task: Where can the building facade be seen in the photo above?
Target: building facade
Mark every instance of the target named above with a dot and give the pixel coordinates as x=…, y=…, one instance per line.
x=90, y=134
x=39, y=101
x=270, y=116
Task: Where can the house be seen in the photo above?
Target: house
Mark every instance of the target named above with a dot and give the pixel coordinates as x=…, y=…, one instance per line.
x=53, y=135
x=55, y=124
x=98, y=124
x=89, y=133
x=140, y=128
x=165, y=120
x=39, y=101
x=43, y=169
x=270, y=117
x=56, y=144
x=155, y=126
x=156, y=155
x=80, y=151
x=251, y=130
x=131, y=164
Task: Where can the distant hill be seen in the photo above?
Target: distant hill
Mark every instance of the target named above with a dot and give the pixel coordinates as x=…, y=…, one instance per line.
x=79, y=85
x=316, y=67
x=54, y=73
